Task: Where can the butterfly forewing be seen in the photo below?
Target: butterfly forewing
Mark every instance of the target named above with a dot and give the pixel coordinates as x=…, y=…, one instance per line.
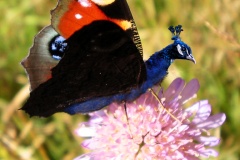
x=71, y=15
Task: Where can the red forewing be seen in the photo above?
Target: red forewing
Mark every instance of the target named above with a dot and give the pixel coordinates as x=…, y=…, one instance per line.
x=71, y=15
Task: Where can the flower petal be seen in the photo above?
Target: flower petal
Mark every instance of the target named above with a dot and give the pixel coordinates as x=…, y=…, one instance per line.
x=189, y=91
x=208, y=152
x=84, y=157
x=212, y=122
x=202, y=114
x=88, y=143
x=194, y=108
x=174, y=89
x=208, y=141
x=85, y=131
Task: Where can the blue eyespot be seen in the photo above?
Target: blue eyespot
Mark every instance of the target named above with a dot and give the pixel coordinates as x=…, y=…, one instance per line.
x=57, y=47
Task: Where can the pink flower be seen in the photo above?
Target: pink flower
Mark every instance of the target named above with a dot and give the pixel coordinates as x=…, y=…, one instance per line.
x=147, y=131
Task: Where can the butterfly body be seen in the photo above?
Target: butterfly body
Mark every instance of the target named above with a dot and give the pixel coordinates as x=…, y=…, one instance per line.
x=101, y=60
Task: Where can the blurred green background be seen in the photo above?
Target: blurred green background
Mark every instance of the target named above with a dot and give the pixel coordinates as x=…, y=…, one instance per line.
x=211, y=28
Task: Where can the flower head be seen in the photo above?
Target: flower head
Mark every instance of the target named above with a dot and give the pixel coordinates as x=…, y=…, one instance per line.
x=155, y=126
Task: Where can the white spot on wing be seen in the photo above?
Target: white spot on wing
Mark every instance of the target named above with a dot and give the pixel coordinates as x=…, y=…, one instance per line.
x=78, y=16
x=103, y=2
x=84, y=3
x=56, y=57
x=179, y=49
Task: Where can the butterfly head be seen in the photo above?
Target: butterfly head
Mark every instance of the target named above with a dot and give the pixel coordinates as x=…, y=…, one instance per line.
x=180, y=49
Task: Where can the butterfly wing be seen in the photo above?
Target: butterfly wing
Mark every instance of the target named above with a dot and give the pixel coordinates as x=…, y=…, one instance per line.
x=71, y=15
x=39, y=62
x=102, y=58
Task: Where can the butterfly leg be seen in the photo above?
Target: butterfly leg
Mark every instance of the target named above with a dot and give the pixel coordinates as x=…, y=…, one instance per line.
x=125, y=109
